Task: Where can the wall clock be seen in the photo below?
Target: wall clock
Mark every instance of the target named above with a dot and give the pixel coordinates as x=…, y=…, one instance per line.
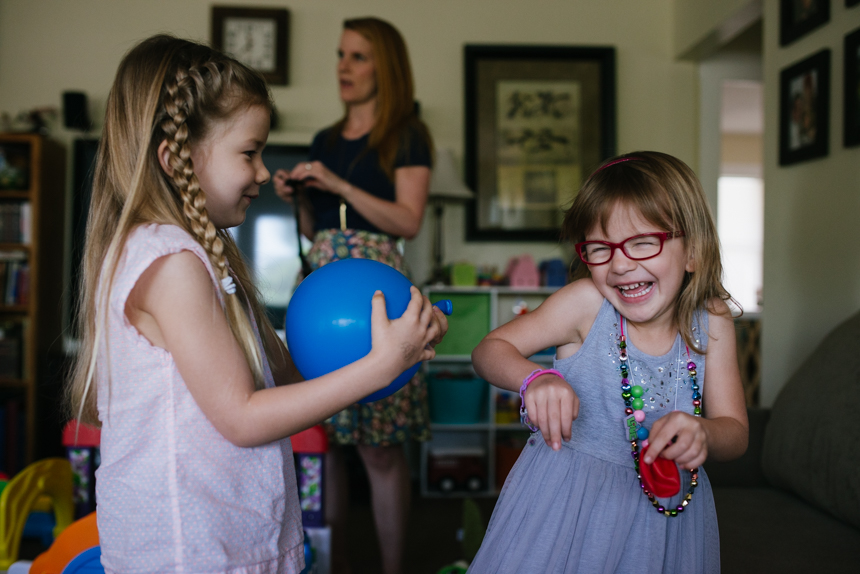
x=257, y=37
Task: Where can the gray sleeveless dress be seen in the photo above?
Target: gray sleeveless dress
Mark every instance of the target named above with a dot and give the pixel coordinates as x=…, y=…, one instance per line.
x=581, y=509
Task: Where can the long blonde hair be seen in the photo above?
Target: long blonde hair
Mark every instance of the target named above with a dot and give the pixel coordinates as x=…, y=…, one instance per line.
x=174, y=90
x=666, y=192
x=395, y=94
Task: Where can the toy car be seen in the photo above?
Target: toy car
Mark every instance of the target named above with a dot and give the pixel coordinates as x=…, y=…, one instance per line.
x=450, y=469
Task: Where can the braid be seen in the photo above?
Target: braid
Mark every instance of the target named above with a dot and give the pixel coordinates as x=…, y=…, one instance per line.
x=178, y=102
x=182, y=97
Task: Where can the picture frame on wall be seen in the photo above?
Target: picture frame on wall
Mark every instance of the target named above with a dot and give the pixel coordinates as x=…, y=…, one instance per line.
x=538, y=120
x=257, y=37
x=851, y=128
x=800, y=17
x=804, y=109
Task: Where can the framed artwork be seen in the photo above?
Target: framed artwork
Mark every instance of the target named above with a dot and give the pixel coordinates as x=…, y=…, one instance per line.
x=257, y=37
x=538, y=120
x=851, y=116
x=799, y=17
x=804, y=109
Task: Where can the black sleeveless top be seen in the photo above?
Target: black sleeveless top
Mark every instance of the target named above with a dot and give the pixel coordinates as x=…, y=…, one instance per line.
x=345, y=159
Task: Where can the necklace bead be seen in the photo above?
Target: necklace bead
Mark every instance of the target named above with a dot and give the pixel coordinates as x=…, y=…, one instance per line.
x=631, y=395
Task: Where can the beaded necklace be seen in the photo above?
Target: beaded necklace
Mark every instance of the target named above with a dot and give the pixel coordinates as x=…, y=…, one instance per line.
x=635, y=416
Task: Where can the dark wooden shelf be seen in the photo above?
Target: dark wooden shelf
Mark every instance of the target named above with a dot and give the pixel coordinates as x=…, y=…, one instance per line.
x=6, y=383
x=25, y=247
x=14, y=194
x=43, y=254
x=16, y=309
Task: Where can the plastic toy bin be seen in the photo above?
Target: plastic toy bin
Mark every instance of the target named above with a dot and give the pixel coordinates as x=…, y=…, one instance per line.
x=467, y=325
x=457, y=398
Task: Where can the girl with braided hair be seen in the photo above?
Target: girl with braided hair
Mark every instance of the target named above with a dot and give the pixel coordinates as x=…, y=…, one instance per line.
x=195, y=394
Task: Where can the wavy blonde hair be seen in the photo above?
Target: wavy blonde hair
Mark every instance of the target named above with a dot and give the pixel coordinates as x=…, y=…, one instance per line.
x=166, y=89
x=666, y=192
x=395, y=94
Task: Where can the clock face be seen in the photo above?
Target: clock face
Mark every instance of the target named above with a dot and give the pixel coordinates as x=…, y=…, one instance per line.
x=252, y=41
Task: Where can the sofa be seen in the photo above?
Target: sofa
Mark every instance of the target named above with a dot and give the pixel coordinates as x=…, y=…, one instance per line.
x=791, y=504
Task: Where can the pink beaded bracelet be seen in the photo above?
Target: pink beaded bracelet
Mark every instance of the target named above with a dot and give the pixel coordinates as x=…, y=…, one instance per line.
x=524, y=414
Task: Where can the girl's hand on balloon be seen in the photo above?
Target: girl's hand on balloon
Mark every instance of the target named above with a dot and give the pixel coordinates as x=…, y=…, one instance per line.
x=441, y=322
x=405, y=340
x=316, y=174
x=679, y=437
x=282, y=189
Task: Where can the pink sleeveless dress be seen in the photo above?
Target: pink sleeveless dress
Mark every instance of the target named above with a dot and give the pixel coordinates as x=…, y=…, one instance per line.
x=172, y=494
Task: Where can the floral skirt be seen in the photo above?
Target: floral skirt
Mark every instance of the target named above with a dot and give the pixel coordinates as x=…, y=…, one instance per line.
x=398, y=417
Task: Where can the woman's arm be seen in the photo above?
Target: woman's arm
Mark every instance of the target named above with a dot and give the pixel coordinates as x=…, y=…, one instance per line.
x=401, y=217
x=175, y=307
x=723, y=432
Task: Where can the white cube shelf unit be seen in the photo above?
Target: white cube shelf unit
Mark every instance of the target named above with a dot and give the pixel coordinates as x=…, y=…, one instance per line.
x=471, y=432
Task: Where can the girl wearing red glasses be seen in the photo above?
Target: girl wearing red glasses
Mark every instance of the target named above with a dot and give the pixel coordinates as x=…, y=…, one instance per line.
x=611, y=479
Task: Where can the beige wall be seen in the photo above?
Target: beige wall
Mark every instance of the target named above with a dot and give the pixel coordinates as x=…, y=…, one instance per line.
x=48, y=46
x=702, y=26
x=811, y=257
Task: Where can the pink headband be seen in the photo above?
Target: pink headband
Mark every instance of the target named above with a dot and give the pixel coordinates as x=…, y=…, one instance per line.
x=619, y=160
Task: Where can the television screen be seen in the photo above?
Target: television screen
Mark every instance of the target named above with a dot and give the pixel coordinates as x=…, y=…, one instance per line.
x=268, y=238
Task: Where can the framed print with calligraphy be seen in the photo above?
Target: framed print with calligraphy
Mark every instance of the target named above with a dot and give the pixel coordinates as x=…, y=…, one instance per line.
x=538, y=119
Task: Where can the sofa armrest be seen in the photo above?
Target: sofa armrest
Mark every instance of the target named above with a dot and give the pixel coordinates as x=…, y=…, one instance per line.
x=745, y=471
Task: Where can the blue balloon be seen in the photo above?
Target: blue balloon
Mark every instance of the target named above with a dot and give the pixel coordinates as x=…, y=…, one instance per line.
x=328, y=319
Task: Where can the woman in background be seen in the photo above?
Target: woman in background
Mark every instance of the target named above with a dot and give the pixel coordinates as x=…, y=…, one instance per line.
x=366, y=183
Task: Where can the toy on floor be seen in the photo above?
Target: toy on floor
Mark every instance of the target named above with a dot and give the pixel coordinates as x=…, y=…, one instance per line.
x=328, y=320
x=471, y=536
x=51, y=477
x=310, y=567
x=309, y=448
x=75, y=551
x=82, y=449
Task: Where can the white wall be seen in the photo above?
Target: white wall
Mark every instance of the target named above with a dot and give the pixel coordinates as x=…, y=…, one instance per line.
x=811, y=257
x=713, y=72
x=704, y=25
x=48, y=46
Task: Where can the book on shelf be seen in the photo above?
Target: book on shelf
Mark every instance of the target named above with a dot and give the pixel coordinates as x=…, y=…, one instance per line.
x=15, y=224
x=10, y=349
x=14, y=278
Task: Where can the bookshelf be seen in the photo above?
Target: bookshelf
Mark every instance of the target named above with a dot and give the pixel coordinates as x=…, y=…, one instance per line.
x=476, y=429
x=32, y=217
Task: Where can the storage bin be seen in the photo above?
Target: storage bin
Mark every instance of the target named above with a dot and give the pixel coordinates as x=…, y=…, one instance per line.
x=508, y=449
x=467, y=325
x=457, y=399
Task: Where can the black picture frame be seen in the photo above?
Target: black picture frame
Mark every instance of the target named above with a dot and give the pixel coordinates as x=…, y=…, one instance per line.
x=526, y=161
x=800, y=17
x=804, y=109
x=851, y=127
x=278, y=19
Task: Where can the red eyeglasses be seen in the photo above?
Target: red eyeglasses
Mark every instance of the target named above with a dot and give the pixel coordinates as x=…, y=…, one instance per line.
x=637, y=248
